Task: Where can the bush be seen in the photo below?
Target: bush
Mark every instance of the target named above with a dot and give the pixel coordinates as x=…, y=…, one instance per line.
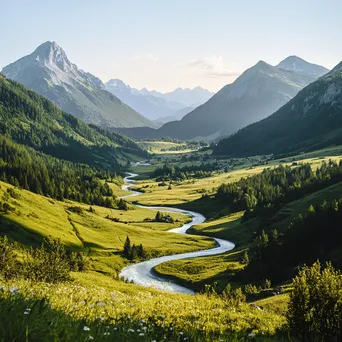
x=49, y=263
x=8, y=264
x=315, y=308
x=122, y=205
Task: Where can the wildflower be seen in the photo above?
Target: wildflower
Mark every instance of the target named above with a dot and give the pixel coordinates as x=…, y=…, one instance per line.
x=90, y=337
x=101, y=304
x=181, y=333
x=106, y=333
x=85, y=328
x=14, y=290
x=130, y=330
x=141, y=334
x=251, y=335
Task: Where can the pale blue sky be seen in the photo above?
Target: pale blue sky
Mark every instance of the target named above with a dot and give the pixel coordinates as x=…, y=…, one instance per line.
x=164, y=44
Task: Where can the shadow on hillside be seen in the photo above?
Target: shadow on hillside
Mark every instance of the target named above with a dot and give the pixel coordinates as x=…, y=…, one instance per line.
x=23, y=234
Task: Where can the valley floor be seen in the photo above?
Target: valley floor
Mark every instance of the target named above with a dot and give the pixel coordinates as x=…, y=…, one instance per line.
x=98, y=305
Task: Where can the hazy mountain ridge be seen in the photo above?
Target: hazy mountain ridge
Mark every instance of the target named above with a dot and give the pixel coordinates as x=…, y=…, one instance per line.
x=155, y=105
x=49, y=72
x=152, y=107
x=189, y=97
x=257, y=93
x=311, y=120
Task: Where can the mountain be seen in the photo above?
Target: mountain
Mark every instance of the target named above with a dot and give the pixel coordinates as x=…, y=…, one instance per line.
x=311, y=120
x=30, y=119
x=189, y=97
x=152, y=107
x=300, y=66
x=256, y=94
x=175, y=117
x=49, y=72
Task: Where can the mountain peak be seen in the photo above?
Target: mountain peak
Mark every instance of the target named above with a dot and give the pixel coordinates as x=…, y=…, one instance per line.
x=299, y=65
x=50, y=53
x=115, y=82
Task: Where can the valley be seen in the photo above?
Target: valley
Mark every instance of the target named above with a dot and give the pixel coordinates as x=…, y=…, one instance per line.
x=186, y=188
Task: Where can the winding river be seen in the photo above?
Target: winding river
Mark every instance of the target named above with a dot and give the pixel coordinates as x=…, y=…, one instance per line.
x=142, y=272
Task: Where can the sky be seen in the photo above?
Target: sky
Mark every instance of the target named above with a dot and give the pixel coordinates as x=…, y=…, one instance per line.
x=165, y=44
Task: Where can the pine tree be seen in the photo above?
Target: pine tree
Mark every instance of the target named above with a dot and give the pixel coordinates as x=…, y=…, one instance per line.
x=141, y=252
x=134, y=252
x=127, y=248
x=159, y=217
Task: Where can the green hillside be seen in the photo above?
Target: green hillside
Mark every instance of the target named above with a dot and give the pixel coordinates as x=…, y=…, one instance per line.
x=30, y=119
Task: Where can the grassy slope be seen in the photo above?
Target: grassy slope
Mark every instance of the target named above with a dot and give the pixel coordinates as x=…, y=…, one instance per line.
x=37, y=217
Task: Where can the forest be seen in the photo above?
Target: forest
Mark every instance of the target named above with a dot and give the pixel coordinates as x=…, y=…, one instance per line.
x=24, y=167
x=268, y=191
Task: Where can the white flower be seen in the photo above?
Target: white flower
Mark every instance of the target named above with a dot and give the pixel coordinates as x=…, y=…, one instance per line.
x=251, y=335
x=141, y=334
x=181, y=333
x=90, y=337
x=106, y=333
x=14, y=290
x=85, y=328
x=130, y=330
x=101, y=304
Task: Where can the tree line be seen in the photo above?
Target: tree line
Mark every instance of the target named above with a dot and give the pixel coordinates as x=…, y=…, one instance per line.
x=269, y=190
x=170, y=172
x=24, y=167
x=316, y=235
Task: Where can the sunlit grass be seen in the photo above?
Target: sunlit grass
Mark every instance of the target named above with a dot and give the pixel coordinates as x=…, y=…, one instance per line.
x=137, y=315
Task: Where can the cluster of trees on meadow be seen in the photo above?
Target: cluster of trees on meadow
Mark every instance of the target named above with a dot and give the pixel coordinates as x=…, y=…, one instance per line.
x=132, y=252
x=170, y=172
x=24, y=167
x=272, y=188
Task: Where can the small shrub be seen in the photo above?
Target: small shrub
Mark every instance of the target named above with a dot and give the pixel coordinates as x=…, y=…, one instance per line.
x=8, y=264
x=315, y=308
x=49, y=263
x=75, y=209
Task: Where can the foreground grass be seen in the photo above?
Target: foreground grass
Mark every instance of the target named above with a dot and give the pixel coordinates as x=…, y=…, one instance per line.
x=74, y=312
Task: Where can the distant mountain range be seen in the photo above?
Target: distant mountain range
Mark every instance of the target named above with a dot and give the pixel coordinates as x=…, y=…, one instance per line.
x=175, y=117
x=256, y=94
x=158, y=106
x=312, y=120
x=49, y=72
x=189, y=97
